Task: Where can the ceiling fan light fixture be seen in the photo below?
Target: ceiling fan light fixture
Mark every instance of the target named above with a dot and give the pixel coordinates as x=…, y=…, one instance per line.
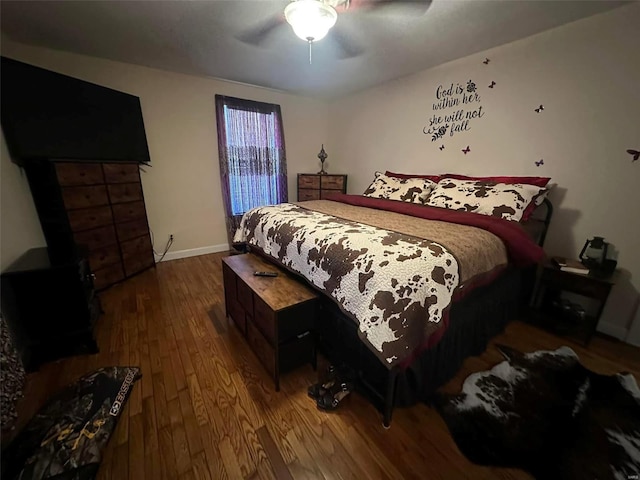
x=311, y=20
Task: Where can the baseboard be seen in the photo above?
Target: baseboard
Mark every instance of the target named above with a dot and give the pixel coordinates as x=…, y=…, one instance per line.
x=194, y=252
x=615, y=331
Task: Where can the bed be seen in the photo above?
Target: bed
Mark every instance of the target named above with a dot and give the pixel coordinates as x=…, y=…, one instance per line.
x=414, y=277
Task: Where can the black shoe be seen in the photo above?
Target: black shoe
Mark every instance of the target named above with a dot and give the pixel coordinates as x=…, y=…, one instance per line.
x=331, y=400
x=318, y=390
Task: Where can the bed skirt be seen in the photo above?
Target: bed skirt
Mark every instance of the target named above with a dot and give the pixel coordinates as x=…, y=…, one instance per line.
x=473, y=322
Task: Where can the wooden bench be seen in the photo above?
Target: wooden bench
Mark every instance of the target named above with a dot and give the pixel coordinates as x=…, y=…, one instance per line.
x=275, y=314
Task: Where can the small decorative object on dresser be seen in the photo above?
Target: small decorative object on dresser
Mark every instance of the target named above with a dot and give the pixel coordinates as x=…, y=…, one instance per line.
x=322, y=156
x=316, y=186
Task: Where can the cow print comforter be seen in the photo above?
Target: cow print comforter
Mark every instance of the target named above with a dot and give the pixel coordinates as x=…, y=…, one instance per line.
x=394, y=285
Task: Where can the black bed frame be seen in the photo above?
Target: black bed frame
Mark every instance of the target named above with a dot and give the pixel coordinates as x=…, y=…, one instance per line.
x=473, y=322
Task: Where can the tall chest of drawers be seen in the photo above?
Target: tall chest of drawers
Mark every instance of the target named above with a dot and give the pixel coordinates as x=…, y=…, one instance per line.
x=97, y=207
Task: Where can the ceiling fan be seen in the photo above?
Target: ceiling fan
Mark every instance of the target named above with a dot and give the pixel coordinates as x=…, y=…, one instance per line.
x=311, y=20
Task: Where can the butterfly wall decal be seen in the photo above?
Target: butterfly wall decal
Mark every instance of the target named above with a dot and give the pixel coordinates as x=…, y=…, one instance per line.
x=493, y=84
x=466, y=150
x=539, y=163
x=441, y=147
x=539, y=109
x=486, y=61
x=634, y=153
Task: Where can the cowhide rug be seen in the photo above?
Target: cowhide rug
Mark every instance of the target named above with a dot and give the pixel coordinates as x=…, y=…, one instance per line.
x=547, y=414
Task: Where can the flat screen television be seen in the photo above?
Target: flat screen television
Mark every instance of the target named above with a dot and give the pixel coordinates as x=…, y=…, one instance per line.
x=46, y=115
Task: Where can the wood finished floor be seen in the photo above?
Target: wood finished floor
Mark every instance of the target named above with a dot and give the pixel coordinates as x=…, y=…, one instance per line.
x=206, y=409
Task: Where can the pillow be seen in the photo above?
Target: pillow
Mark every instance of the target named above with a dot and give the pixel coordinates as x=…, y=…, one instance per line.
x=540, y=198
x=537, y=201
x=414, y=190
x=503, y=200
x=433, y=178
x=538, y=181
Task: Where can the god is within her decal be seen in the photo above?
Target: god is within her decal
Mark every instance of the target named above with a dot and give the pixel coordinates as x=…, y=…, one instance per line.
x=457, y=106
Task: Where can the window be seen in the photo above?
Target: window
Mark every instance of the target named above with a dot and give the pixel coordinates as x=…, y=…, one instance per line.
x=252, y=156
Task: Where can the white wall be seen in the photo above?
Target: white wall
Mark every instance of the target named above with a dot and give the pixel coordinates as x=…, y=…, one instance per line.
x=19, y=229
x=587, y=76
x=182, y=186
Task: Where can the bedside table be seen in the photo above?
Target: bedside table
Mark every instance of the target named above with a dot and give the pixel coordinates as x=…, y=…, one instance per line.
x=314, y=186
x=550, y=313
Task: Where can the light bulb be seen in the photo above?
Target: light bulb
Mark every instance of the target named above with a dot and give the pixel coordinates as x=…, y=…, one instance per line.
x=311, y=20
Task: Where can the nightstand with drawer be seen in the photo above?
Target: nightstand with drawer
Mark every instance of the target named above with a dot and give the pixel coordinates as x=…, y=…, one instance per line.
x=552, y=313
x=315, y=186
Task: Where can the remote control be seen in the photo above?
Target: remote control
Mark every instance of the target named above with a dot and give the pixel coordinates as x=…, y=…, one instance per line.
x=265, y=274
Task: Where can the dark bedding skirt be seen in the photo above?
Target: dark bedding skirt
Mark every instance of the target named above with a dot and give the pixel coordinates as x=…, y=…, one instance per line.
x=473, y=321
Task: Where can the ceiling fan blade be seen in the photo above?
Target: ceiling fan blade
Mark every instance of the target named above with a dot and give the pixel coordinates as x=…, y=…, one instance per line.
x=348, y=47
x=259, y=33
x=403, y=7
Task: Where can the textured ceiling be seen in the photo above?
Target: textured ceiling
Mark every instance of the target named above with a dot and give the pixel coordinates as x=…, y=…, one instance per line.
x=202, y=37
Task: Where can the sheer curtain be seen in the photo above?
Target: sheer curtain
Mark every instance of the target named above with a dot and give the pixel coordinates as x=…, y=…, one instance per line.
x=253, y=165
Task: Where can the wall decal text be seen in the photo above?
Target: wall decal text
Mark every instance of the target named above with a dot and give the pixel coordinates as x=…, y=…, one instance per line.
x=462, y=102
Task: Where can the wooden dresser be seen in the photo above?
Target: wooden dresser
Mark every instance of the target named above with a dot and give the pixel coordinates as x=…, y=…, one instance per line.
x=97, y=207
x=276, y=315
x=314, y=186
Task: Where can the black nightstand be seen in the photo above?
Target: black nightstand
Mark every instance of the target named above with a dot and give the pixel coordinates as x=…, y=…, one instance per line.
x=548, y=311
x=50, y=307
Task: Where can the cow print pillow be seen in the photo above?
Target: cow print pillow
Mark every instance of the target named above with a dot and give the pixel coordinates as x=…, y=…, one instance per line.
x=414, y=190
x=503, y=200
